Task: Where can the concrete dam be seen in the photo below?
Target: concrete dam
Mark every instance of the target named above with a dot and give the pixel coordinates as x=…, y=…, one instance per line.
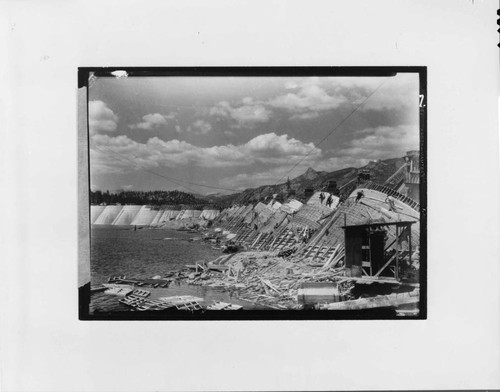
x=137, y=215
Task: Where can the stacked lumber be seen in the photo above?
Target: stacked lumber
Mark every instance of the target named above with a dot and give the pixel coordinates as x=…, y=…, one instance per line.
x=262, y=278
x=379, y=301
x=223, y=306
x=182, y=302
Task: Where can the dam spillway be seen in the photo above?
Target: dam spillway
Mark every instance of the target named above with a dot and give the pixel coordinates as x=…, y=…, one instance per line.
x=95, y=211
x=107, y=215
x=126, y=215
x=143, y=215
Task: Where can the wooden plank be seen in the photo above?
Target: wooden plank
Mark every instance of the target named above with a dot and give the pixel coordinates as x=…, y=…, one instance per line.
x=398, y=246
x=385, y=265
x=278, y=237
x=327, y=250
x=256, y=240
x=320, y=245
x=390, y=300
x=285, y=235
x=309, y=250
x=340, y=255
x=331, y=258
x=266, y=282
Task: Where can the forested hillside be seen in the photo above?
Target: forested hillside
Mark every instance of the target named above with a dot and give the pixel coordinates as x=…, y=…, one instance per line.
x=140, y=197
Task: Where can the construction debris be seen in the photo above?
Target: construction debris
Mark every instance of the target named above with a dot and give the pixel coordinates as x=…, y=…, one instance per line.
x=224, y=306
x=261, y=278
x=141, y=293
x=117, y=289
x=185, y=302
x=380, y=301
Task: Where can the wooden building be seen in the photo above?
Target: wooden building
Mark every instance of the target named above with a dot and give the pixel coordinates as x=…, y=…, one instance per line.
x=367, y=253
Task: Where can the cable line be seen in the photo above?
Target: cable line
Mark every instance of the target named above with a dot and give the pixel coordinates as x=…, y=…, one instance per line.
x=333, y=130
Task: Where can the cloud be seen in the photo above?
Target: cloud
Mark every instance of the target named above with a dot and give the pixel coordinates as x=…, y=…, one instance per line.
x=222, y=109
x=309, y=100
x=122, y=154
x=273, y=148
x=101, y=118
x=382, y=142
x=393, y=96
x=200, y=127
x=312, y=96
x=305, y=116
x=119, y=154
x=152, y=121
x=340, y=162
x=271, y=176
x=246, y=115
x=290, y=85
x=250, y=180
x=389, y=93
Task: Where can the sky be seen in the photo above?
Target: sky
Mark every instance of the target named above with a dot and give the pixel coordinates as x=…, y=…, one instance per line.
x=224, y=134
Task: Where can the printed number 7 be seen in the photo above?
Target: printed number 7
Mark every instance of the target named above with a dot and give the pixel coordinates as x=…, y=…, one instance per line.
x=421, y=100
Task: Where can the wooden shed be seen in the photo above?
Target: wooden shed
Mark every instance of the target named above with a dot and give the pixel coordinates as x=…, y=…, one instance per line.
x=367, y=253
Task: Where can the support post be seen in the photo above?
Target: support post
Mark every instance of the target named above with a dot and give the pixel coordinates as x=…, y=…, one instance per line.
x=409, y=244
x=398, y=244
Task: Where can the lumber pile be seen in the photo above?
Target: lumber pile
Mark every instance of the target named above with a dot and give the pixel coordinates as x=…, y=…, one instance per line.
x=264, y=278
x=182, y=302
x=219, y=305
x=379, y=301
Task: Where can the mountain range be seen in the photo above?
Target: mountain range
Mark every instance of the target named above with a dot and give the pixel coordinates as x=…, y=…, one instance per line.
x=380, y=171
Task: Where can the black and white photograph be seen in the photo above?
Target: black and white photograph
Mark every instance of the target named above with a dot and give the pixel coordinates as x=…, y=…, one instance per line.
x=249, y=195
x=295, y=190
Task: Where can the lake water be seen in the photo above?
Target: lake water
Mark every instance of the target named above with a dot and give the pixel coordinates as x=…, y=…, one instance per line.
x=146, y=253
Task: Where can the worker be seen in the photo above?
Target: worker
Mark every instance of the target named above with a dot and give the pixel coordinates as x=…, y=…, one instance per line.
x=360, y=195
x=329, y=201
x=392, y=204
x=321, y=197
